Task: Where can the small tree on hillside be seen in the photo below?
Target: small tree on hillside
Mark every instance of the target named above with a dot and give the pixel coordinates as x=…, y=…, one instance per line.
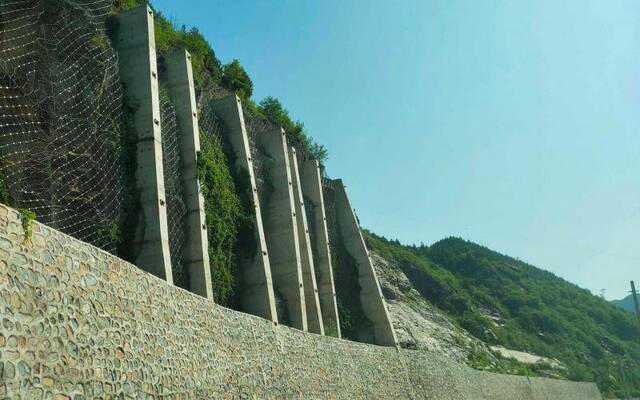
x=235, y=78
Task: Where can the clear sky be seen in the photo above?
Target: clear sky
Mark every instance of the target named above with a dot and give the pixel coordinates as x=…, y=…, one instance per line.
x=515, y=124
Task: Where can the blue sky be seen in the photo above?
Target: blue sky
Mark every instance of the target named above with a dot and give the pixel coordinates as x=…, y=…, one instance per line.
x=514, y=124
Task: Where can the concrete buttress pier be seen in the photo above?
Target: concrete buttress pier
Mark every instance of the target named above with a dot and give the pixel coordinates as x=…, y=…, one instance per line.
x=312, y=301
x=139, y=74
x=371, y=297
x=311, y=184
x=257, y=295
x=179, y=83
x=281, y=230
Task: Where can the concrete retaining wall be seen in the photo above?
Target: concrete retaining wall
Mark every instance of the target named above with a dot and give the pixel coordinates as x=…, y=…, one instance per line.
x=79, y=323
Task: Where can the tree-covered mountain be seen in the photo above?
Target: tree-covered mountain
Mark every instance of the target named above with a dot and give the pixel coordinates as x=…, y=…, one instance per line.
x=625, y=304
x=506, y=302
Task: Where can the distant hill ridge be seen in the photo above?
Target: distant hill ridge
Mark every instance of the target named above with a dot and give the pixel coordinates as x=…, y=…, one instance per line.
x=624, y=304
x=506, y=302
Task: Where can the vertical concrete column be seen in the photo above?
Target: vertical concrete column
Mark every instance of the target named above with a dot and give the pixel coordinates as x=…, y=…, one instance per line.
x=281, y=228
x=179, y=83
x=311, y=183
x=257, y=288
x=312, y=302
x=139, y=74
x=373, y=304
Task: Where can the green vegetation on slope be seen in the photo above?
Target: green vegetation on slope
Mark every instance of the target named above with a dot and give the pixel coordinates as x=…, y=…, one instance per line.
x=209, y=71
x=225, y=216
x=625, y=304
x=504, y=301
x=229, y=210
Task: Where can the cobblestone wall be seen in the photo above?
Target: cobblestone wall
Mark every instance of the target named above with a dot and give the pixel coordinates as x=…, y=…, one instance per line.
x=78, y=323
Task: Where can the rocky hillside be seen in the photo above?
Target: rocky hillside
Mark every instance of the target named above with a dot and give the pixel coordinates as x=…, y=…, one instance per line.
x=497, y=313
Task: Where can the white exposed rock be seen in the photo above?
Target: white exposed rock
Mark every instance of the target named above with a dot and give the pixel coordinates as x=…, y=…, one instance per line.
x=526, y=358
x=417, y=324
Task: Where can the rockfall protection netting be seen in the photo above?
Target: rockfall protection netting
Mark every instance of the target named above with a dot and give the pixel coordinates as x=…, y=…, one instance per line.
x=61, y=152
x=262, y=163
x=173, y=189
x=255, y=124
x=329, y=194
x=212, y=126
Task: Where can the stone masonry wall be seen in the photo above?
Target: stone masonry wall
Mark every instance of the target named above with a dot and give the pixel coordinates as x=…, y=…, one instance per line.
x=78, y=323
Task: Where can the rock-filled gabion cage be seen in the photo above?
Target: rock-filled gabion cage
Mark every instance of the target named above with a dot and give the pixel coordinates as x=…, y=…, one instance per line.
x=173, y=189
x=61, y=119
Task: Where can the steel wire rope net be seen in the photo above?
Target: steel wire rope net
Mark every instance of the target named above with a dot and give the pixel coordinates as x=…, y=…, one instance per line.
x=329, y=195
x=212, y=126
x=61, y=148
x=173, y=189
x=262, y=163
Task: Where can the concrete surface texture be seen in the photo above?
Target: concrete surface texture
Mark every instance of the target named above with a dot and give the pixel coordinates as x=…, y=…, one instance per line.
x=257, y=295
x=311, y=183
x=79, y=323
x=139, y=74
x=281, y=230
x=179, y=83
x=312, y=302
x=371, y=297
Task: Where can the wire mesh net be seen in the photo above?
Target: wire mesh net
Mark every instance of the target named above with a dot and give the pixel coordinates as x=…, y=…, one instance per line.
x=310, y=211
x=258, y=125
x=213, y=127
x=301, y=150
x=173, y=189
x=208, y=92
x=61, y=149
x=329, y=195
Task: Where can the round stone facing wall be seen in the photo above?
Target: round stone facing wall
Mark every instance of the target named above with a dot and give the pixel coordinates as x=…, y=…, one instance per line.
x=78, y=323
